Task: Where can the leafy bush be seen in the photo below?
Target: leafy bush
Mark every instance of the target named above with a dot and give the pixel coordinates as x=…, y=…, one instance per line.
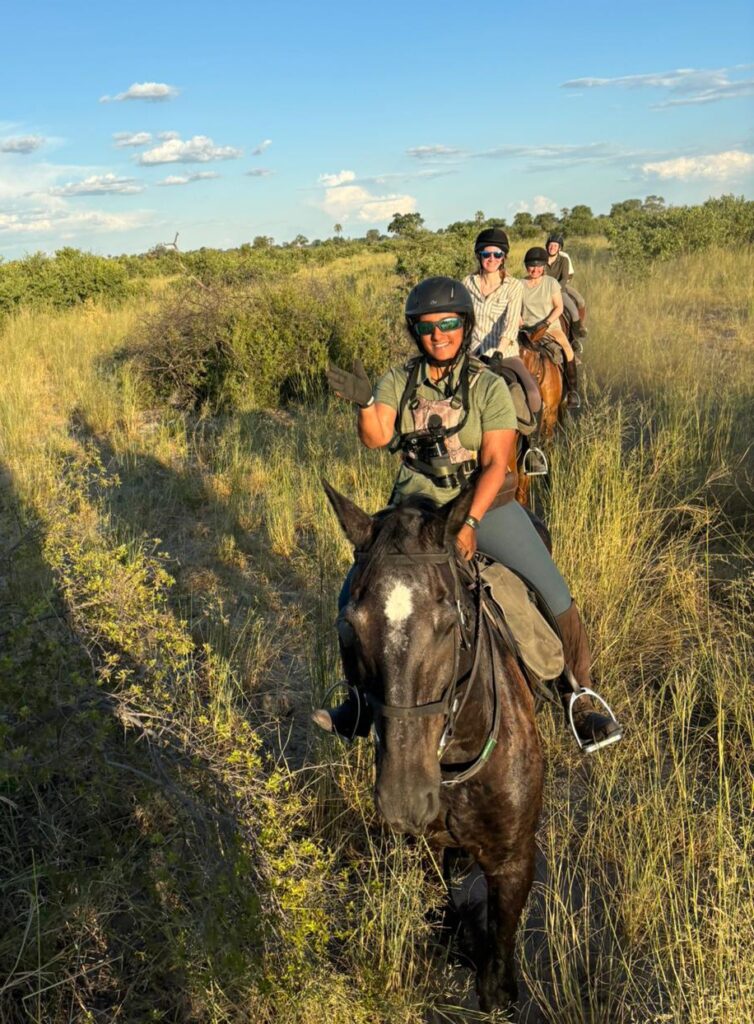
x=66, y=279
x=266, y=344
x=639, y=235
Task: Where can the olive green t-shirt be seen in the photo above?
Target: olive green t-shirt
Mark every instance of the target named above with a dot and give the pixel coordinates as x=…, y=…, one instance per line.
x=490, y=408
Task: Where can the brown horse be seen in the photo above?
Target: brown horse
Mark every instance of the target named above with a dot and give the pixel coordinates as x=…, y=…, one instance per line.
x=550, y=381
x=458, y=756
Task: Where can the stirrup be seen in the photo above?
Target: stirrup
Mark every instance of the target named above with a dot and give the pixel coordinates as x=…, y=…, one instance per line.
x=539, y=458
x=586, y=746
x=573, y=400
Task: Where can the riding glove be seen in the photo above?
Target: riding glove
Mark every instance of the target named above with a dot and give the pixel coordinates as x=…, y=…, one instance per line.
x=353, y=386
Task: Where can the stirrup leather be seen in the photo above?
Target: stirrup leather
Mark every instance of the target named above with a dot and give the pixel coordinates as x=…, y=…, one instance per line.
x=585, y=746
x=526, y=462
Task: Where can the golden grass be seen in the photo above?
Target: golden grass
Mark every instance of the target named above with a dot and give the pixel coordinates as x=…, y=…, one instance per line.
x=645, y=912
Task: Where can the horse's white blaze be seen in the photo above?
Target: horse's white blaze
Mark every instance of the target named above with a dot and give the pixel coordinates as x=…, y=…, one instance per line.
x=399, y=604
x=398, y=607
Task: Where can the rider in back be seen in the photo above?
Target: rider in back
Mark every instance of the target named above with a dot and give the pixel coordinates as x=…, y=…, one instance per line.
x=543, y=302
x=445, y=393
x=560, y=267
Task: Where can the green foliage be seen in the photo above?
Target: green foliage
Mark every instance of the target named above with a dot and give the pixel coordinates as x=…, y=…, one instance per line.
x=640, y=233
x=266, y=345
x=406, y=225
x=66, y=279
x=524, y=226
x=449, y=254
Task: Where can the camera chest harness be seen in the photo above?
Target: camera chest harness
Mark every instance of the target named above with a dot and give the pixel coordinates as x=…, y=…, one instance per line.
x=425, y=451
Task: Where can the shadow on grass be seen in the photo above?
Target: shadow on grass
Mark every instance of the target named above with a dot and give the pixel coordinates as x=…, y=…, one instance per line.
x=124, y=885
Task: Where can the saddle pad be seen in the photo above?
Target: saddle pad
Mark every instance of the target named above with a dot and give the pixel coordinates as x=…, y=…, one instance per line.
x=539, y=647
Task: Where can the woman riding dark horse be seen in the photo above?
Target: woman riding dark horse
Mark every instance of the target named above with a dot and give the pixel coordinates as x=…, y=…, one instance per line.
x=446, y=390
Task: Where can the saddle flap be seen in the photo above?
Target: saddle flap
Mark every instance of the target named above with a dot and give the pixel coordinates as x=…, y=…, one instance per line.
x=539, y=647
x=527, y=382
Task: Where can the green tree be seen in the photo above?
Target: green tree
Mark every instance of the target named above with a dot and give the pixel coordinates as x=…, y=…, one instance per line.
x=628, y=206
x=372, y=236
x=653, y=204
x=263, y=242
x=546, y=222
x=300, y=240
x=580, y=221
x=338, y=229
x=524, y=226
x=406, y=225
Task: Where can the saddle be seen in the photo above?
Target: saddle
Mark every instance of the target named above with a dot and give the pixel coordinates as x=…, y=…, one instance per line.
x=514, y=612
x=527, y=400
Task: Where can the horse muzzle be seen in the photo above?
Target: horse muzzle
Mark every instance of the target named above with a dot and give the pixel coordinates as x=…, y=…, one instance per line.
x=408, y=801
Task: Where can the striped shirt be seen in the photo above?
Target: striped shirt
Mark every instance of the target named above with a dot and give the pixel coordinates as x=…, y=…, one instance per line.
x=497, y=316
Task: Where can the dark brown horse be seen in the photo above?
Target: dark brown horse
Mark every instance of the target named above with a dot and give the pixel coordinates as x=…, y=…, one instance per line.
x=458, y=756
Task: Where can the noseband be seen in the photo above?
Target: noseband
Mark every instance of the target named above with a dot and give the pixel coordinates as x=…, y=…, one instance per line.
x=450, y=705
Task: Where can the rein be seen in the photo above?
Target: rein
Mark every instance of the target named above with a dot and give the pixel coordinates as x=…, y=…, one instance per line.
x=449, y=704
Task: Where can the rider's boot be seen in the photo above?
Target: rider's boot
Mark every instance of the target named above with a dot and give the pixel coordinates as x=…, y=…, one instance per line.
x=594, y=725
x=350, y=719
x=579, y=329
x=573, y=400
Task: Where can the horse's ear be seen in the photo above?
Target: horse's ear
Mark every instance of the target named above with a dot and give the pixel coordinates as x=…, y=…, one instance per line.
x=457, y=511
x=357, y=525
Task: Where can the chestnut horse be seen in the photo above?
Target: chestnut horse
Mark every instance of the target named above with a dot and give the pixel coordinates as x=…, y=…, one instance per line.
x=550, y=381
x=458, y=756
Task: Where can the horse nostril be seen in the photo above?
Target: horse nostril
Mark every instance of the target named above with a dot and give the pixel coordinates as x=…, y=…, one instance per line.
x=433, y=806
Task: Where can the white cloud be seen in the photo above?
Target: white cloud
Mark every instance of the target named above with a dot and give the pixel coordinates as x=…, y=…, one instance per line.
x=185, y=179
x=260, y=172
x=165, y=136
x=197, y=150
x=541, y=204
x=21, y=144
x=152, y=92
x=692, y=85
x=345, y=201
x=337, y=179
x=124, y=139
x=97, y=185
x=265, y=144
x=433, y=152
x=67, y=223
x=715, y=166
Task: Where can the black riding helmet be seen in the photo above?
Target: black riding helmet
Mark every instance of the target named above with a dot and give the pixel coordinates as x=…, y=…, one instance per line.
x=492, y=236
x=440, y=295
x=536, y=257
x=556, y=238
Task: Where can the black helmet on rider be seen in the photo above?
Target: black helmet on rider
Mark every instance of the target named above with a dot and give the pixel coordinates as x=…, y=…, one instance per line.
x=536, y=257
x=556, y=238
x=492, y=236
x=440, y=295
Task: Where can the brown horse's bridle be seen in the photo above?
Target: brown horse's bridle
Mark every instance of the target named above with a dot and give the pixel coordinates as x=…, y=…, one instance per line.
x=450, y=704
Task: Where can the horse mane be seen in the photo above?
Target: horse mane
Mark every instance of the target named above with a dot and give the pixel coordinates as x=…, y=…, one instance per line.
x=397, y=528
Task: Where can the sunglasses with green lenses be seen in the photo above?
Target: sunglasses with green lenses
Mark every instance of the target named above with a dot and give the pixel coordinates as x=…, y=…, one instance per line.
x=449, y=323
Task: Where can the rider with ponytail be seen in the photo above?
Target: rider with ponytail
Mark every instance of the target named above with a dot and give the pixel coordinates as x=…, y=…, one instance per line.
x=453, y=423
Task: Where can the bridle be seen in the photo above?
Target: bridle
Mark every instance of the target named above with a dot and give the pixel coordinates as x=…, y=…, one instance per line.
x=451, y=703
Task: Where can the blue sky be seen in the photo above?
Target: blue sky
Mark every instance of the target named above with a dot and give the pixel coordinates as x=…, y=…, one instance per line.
x=122, y=124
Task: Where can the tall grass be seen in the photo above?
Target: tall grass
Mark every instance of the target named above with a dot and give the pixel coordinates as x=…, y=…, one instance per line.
x=643, y=908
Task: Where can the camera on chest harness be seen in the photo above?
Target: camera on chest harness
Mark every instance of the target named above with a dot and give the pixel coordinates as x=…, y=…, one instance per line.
x=426, y=451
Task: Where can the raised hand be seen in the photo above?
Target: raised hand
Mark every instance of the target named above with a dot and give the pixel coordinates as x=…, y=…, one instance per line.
x=353, y=386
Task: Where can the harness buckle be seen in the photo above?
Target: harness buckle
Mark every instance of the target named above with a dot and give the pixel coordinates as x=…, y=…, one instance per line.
x=447, y=733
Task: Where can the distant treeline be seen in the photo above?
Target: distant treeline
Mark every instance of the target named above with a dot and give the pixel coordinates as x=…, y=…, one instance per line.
x=639, y=232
